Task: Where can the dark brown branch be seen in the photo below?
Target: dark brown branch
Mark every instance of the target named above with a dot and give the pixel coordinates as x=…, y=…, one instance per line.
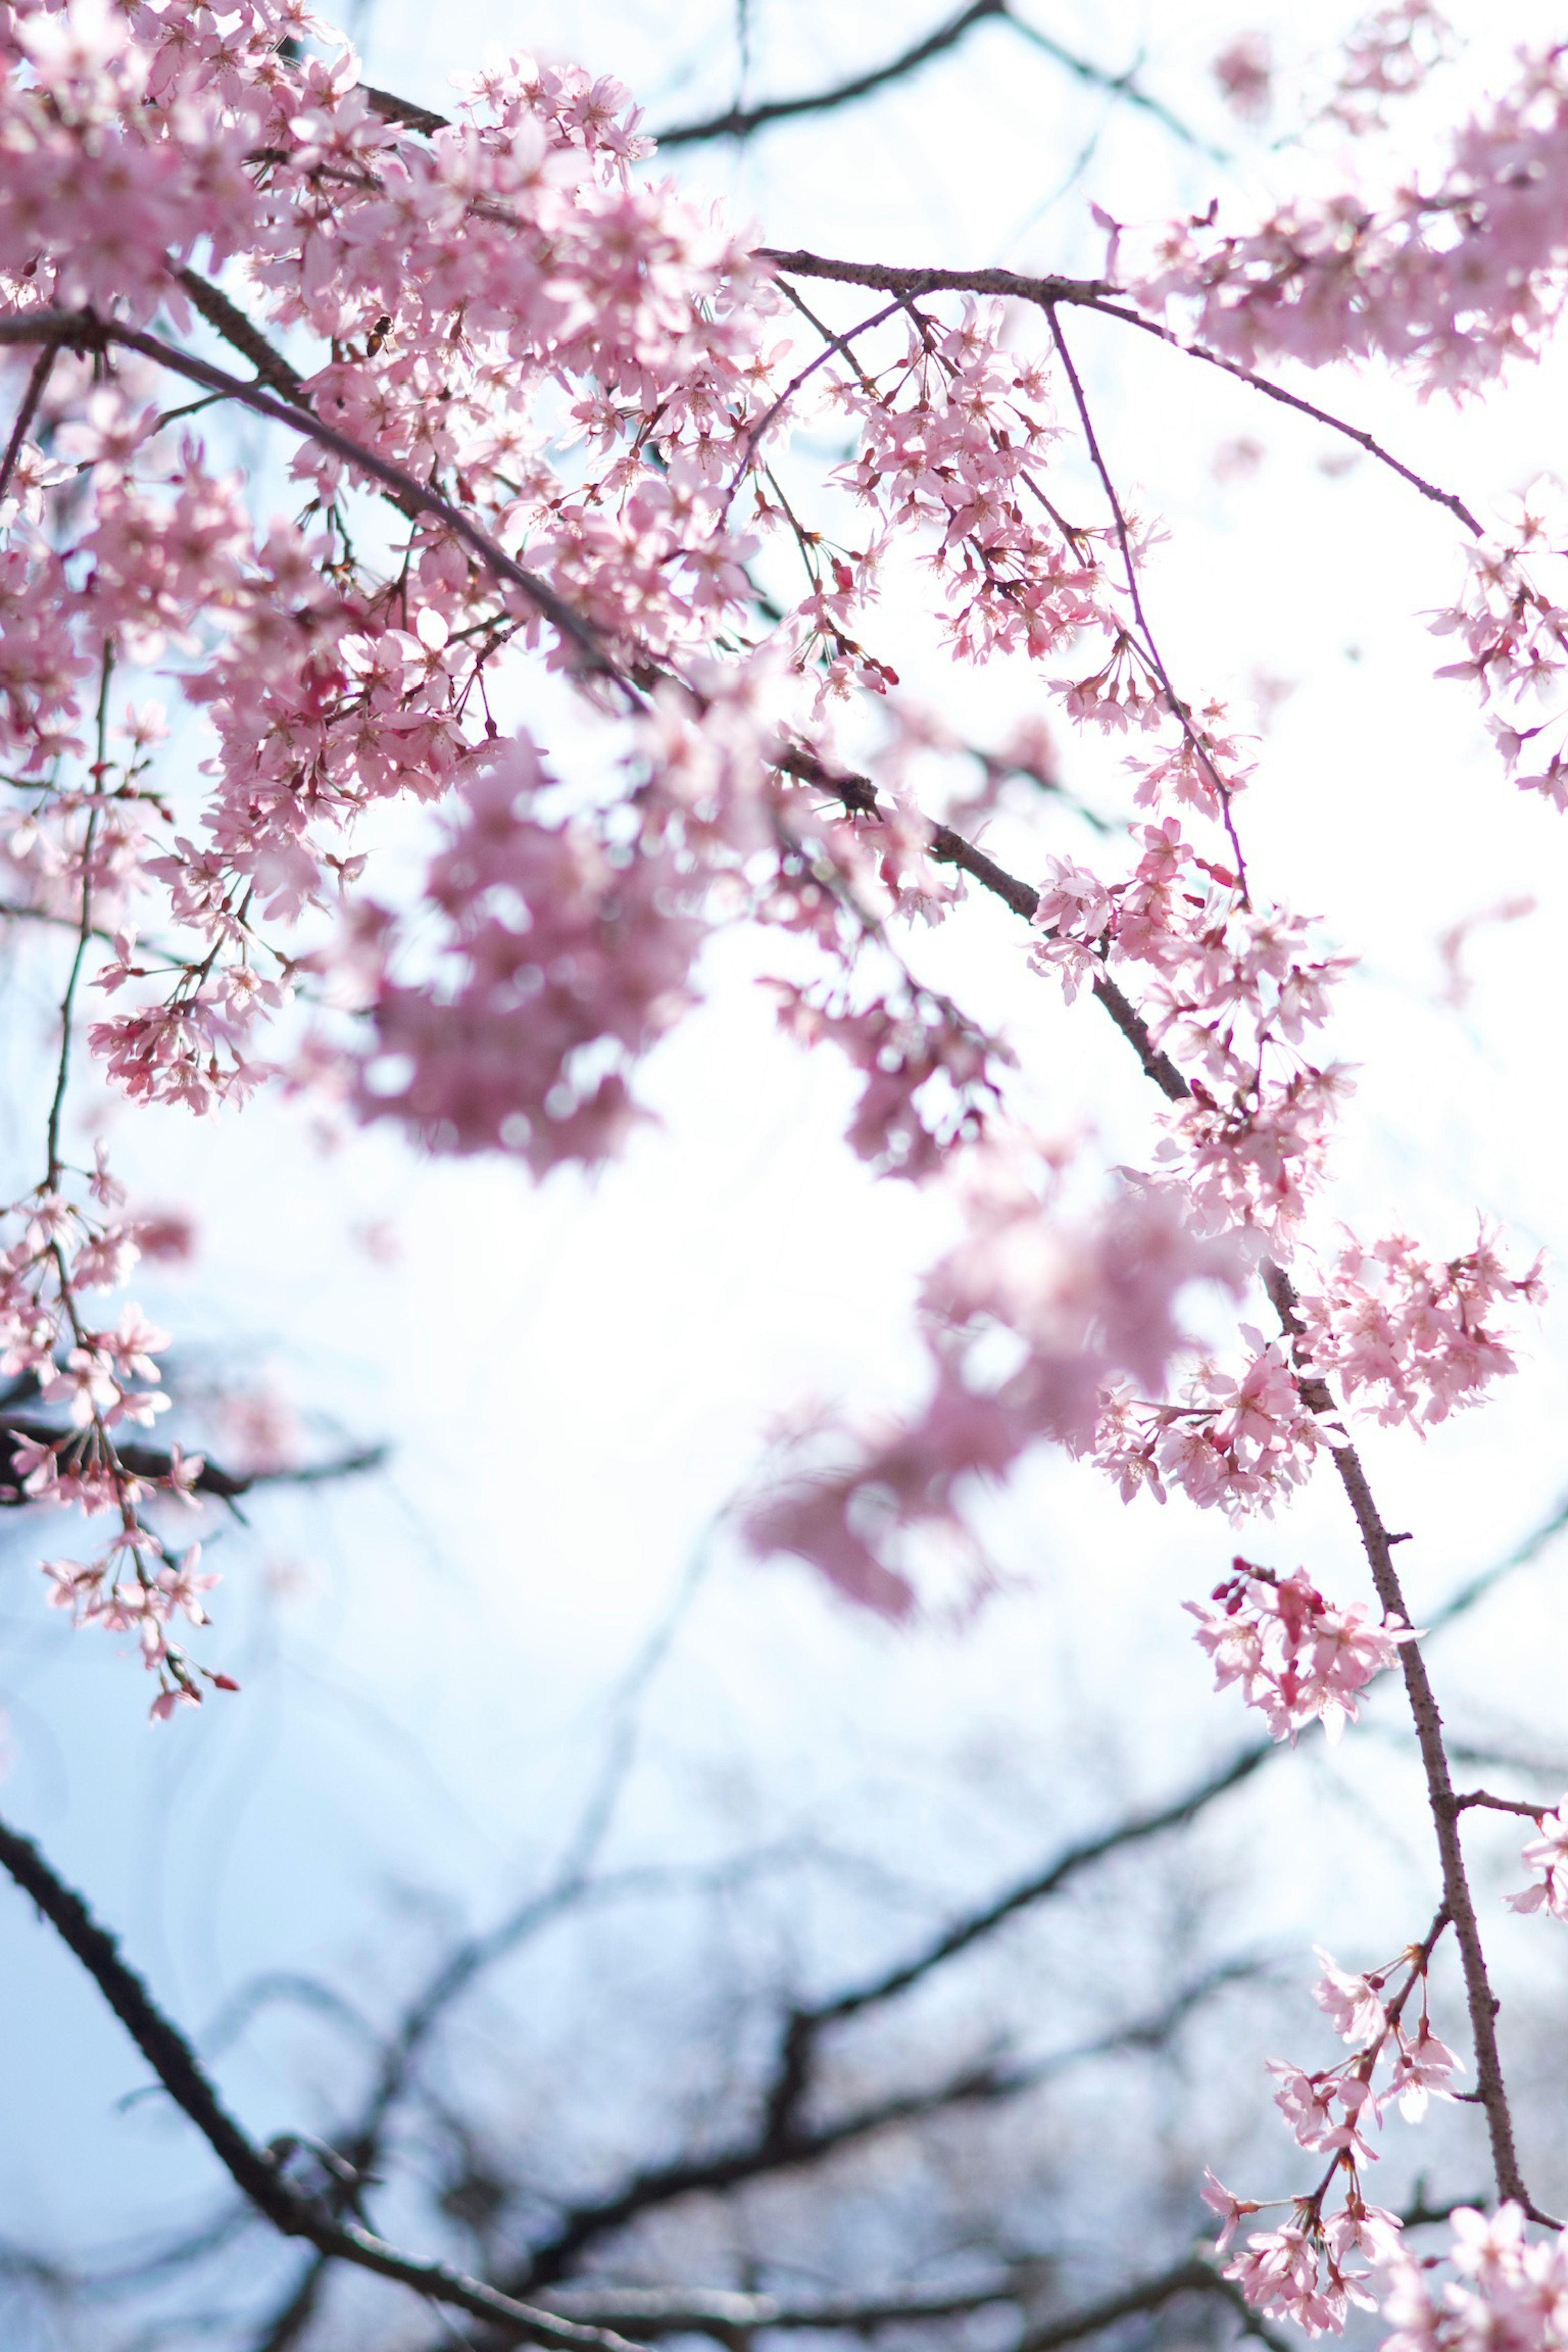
x=1480, y=2000
x=1484, y=1796
x=405, y=111
x=237, y=330
x=84, y=331
x=151, y=1461
x=912, y=283
x=31, y=396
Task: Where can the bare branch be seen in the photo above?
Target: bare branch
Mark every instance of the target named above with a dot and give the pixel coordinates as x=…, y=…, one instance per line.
x=780, y=2140
x=667, y=2311
x=1479, y=1586
x=741, y=121
x=1191, y=2277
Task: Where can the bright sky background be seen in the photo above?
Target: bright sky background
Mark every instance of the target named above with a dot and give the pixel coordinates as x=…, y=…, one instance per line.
x=573, y=1381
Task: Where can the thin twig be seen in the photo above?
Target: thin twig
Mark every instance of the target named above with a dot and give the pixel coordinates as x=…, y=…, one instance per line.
x=1173, y=702
x=1499, y=1804
x=84, y=921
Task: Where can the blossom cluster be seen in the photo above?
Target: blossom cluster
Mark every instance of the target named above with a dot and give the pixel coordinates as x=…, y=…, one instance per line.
x=1452, y=277
x=1296, y=1658
x=1410, y=1337
x=1547, y=1855
x=70, y=1242
x=1302, y=2271
x=1025, y=1321
x=1501, y=2287
x=1235, y=991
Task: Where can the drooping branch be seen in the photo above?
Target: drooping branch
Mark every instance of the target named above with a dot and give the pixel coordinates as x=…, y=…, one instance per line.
x=1101, y=294
x=1480, y=1999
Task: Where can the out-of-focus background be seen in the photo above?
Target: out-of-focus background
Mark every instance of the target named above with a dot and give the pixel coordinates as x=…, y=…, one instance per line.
x=516, y=1708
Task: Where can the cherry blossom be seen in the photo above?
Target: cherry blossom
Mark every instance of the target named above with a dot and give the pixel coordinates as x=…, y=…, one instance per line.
x=1296, y=1658
x=1547, y=1854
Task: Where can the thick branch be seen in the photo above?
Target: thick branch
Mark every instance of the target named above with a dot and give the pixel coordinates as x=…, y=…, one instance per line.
x=235, y=329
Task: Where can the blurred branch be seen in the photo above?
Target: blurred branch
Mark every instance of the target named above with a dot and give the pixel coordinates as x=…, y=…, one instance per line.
x=475, y=1954
x=152, y=1462
x=741, y=121
x=668, y=2311
x=258, y=2172
x=779, y=2140
x=1479, y=1586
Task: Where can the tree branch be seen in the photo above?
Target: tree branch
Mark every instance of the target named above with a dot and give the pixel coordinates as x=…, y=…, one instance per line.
x=668, y=2311
x=256, y=2171
x=741, y=121
x=1096, y=294
x=1482, y=2001
x=85, y=330
x=152, y=1462
x=235, y=329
